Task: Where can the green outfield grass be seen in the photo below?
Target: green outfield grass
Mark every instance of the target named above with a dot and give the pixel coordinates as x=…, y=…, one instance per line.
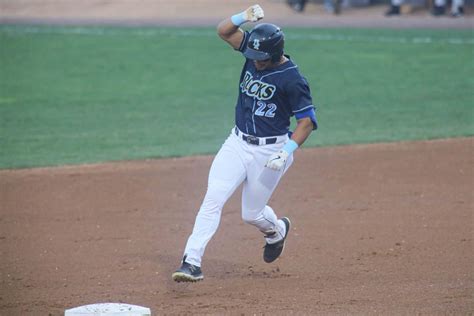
x=73, y=95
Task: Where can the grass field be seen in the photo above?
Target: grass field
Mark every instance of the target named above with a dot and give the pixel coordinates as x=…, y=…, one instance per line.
x=73, y=95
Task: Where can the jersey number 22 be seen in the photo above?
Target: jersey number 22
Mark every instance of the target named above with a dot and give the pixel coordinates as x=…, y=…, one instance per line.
x=267, y=110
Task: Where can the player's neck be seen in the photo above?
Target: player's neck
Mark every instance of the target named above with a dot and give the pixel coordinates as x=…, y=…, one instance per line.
x=283, y=59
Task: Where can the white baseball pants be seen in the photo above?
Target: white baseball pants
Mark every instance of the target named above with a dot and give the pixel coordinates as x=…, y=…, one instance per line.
x=238, y=162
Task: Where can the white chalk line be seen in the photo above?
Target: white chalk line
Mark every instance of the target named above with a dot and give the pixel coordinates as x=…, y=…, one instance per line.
x=95, y=31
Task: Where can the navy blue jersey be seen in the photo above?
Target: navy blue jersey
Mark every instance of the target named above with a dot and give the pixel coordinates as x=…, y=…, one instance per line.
x=269, y=98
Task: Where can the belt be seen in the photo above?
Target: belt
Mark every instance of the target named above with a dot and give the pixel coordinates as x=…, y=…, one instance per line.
x=254, y=140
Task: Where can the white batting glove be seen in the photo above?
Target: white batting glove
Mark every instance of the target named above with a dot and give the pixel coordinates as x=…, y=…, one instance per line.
x=277, y=161
x=252, y=14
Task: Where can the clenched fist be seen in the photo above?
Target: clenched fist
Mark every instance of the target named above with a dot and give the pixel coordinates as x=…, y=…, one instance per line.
x=254, y=13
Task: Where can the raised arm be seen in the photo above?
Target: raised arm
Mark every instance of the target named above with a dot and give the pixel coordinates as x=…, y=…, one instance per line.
x=229, y=30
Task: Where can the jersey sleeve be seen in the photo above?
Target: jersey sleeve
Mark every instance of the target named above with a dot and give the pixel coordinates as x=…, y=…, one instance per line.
x=245, y=40
x=301, y=102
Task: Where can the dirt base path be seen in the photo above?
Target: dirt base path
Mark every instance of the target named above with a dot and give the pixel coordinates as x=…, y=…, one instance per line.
x=377, y=229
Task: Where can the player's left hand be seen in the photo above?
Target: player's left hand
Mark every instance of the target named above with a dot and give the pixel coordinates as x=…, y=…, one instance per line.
x=277, y=161
x=254, y=13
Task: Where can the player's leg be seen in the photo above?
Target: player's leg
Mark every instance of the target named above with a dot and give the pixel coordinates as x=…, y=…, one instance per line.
x=457, y=8
x=226, y=174
x=257, y=190
x=439, y=7
x=394, y=7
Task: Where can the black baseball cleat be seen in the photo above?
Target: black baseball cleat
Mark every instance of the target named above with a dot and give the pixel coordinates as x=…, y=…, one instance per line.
x=394, y=10
x=438, y=10
x=273, y=251
x=458, y=13
x=187, y=273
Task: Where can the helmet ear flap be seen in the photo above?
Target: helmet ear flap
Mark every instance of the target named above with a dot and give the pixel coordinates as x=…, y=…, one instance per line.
x=276, y=58
x=277, y=55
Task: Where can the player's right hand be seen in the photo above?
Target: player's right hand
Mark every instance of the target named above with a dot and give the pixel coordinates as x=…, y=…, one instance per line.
x=254, y=13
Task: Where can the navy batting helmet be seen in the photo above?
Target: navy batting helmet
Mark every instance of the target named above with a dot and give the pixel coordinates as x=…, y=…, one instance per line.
x=266, y=41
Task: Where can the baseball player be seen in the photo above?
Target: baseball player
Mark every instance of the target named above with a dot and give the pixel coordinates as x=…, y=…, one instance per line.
x=259, y=149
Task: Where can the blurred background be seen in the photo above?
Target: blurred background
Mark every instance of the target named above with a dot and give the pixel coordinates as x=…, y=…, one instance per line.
x=331, y=13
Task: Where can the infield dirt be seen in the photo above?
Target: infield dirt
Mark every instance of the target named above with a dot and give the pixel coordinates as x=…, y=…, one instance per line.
x=379, y=229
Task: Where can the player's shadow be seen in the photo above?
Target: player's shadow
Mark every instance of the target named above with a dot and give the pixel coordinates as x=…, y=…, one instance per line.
x=216, y=270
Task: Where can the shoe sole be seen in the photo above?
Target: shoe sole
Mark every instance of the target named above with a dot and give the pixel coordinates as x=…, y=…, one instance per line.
x=183, y=277
x=286, y=233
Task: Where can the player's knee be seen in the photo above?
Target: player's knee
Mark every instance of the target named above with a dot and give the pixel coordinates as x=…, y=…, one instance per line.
x=212, y=202
x=250, y=218
x=216, y=196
